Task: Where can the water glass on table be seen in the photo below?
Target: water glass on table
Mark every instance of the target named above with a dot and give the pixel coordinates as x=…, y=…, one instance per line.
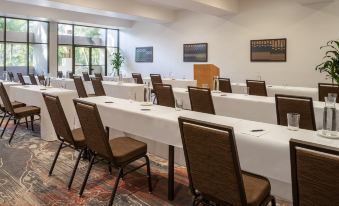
x=293, y=120
x=246, y=90
x=179, y=104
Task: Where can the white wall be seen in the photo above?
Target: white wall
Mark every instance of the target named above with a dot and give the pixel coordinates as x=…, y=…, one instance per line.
x=306, y=28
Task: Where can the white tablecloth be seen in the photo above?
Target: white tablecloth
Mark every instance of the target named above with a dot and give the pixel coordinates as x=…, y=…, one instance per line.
x=32, y=96
x=180, y=83
x=288, y=90
x=267, y=155
x=250, y=107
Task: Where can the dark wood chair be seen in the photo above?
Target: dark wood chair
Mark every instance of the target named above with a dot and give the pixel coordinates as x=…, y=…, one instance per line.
x=33, y=80
x=138, y=77
x=324, y=89
x=201, y=100
x=11, y=76
x=41, y=78
x=73, y=139
x=71, y=75
x=225, y=85
x=99, y=75
x=214, y=172
x=257, y=87
x=156, y=79
x=60, y=74
x=79, y=85
x=21, y=79
x=18, y=113
x=98, y=87
x=314, y=170
x=119, y=152
x=164, y=95
x=295, y=104
x=86, y=76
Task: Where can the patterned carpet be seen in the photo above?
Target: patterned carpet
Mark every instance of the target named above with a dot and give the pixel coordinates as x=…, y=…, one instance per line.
x=24, y=180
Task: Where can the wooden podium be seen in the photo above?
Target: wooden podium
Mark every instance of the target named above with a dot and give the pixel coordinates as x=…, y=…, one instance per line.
x=204, y=74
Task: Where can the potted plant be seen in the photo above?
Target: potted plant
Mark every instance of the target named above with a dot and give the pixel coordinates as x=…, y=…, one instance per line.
x=331, y=61
x=117, y=62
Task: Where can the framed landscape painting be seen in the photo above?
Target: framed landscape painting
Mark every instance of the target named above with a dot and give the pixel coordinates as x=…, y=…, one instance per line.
x=268, y=50
x=195, y=52
x=144, y=54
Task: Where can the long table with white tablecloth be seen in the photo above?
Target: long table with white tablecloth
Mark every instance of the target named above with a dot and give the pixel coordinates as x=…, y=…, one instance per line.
x=180, y=83
x=266, y=154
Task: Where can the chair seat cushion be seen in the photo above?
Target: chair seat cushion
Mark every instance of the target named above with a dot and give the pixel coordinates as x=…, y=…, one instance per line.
x=125, y=149
x=257, y=188
x=26, y=111
x=79, y=137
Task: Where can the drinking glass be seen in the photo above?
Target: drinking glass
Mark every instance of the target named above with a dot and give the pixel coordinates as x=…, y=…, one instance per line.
x=179, y=104
x=42, y=83
x=246, y=90
x=216, y=83
x=293, y=120
x=135, y=80
x=147, y=93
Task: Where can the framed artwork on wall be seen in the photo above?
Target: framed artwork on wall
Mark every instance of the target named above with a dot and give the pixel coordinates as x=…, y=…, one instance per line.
x=144, y=54
x=268, y=50
x=196, y=52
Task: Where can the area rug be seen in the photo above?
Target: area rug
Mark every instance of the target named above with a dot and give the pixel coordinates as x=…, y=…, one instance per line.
x=24, y=179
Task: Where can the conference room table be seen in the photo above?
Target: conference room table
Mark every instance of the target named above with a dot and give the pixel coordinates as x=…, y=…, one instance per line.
x=277, y=89
x=31, y=95
x=250, y=107
x=265, y=153
x=179, y=83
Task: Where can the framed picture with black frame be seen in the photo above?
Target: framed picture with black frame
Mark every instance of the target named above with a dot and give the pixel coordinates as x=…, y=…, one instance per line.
x=197, y=52
x=144, y=54
x=269, y=50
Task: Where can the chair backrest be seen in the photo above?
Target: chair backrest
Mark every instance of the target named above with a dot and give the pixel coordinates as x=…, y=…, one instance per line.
x=324, y=89
x=314, y=170
x=33, y=80
x=164, y=95
x=256, y=87
x=201, y=100
x=71, y=75
x=99, y=75
x=98, y=87
x=11, y=76
x=41, y=78
x=96, y=137
x=86, y=76
x=156, y=79
x=295, y=104
x=60, y=74
x=138, y=77
x=79, y=85
x=5, y=99
x=21, y=78
x=58, y=117
x=225, y=85
x=212, y=161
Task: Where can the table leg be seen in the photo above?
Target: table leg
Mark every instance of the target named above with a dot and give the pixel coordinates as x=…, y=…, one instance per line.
x=170, y=172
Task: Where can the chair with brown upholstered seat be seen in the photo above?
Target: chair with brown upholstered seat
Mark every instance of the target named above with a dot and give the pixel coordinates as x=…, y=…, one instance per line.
x=201, y=100
x=225, y=85
x=33, y=80
x=74, y=139
x=119, y=152
x=71, y=75
x=79, y=85
x=41, y=78
x=164, y=95
x=60, y=74
x=314, y=171
x=11, y=76
x=156, y=79
x=98, y=87
x=295, y=104
x=99, y=75
x=256, y=87
x=138, y=77
x=324, y=89
x=214, y=170
x=18, y=113
x=21, y=79
x=86, y=76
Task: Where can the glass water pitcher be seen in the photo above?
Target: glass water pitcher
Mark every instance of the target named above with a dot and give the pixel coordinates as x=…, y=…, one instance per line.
x=148, y=92
x=330, y=116
x=216, y=83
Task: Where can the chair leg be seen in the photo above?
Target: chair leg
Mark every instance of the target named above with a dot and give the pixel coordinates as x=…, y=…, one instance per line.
x=55, y=158
x=12, y=135
x=115, y=186
x=3, y=118
x=110, y=168
x=273, y=202
x=86, y=176
x=3, y=131
x=32, y=120
x=149, y=177
x=75, y=169
x=26, y=122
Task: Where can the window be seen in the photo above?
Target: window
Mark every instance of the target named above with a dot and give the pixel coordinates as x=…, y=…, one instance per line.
x=65, y=58
x=24, y=48
x=65, y=33
x=89, y=36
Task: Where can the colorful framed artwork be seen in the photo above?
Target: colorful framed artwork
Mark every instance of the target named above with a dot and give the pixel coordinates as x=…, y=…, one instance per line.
x=196, y=52
x=144, y=54
x=268, y=50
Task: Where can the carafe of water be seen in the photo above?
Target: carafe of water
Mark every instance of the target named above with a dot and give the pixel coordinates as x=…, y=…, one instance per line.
x=216, y=83
x=148, y=93
x=330, y=116
x=5, y=76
